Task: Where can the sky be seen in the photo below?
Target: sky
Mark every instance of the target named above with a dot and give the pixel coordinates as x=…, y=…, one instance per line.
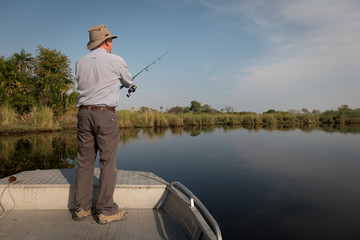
x=251, y=55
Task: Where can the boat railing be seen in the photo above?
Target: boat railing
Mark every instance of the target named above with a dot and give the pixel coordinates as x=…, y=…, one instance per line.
x=206, y=214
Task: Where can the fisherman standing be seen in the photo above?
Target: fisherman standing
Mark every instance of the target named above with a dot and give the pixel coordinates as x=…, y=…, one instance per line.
x=99, y=75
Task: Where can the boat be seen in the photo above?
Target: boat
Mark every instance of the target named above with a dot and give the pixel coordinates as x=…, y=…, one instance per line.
x=38, y=204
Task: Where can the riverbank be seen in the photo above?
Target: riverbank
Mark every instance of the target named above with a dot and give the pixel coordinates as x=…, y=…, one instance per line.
x=43, y=120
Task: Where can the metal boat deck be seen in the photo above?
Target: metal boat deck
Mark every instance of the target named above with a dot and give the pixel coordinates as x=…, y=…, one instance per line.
x=39, y=205
x=146, y=224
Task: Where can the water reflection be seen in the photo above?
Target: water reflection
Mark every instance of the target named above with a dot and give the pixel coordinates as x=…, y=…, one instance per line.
x=305, y=186
x=259, y=183
x=263, y=184
x=37, y=151
x=58, y=150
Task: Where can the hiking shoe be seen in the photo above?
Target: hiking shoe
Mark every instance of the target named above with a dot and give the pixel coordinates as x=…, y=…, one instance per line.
x=81, y=214
x=120, y=215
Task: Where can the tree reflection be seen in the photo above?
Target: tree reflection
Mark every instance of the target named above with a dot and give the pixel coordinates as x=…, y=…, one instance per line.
x=58, y=150
x=37, y=151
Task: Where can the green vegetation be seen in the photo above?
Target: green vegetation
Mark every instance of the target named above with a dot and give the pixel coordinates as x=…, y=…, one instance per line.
x=44, y=81
x=36, y=94
x=7, y=116
x=44, y=119
x=39, y=119
x=151, y=118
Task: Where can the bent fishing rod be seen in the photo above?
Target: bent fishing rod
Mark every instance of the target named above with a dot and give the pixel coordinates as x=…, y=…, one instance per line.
x=133, y=87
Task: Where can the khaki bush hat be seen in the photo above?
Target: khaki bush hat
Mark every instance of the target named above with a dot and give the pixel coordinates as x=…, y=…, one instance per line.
x=97, y=35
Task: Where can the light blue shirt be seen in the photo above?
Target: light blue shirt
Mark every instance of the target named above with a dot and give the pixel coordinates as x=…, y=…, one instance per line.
x=99, y=75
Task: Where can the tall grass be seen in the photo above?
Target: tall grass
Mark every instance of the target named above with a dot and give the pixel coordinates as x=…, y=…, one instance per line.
x=307, y=119
x=160, y=120
x=340, y=117
x=43, y=117
x=124, y=118
x=157, y=119
x=148, y=119
x=174, y=120
x=7, y=116
x=269, y=119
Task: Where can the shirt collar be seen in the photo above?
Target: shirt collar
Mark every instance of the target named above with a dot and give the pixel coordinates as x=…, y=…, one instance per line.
x=99, y=49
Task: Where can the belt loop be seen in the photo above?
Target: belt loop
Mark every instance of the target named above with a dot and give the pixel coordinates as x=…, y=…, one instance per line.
x=89, y=108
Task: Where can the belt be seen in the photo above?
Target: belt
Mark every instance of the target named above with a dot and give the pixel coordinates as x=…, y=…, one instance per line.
x=98, y=108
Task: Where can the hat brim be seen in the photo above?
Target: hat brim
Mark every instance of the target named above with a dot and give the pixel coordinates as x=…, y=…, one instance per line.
x=94, y=44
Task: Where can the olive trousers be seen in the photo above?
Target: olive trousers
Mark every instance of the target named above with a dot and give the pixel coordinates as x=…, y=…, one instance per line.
x=97, y=130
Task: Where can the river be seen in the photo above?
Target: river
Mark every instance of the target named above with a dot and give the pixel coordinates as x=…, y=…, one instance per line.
x=258, y=184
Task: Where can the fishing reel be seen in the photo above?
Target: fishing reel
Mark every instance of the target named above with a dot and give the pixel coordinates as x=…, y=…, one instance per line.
x=131, y=90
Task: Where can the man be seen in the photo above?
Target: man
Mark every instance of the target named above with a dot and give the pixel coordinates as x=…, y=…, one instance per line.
x=99, y=75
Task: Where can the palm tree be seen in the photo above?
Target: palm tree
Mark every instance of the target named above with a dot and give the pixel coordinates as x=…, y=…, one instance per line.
x=24, y=62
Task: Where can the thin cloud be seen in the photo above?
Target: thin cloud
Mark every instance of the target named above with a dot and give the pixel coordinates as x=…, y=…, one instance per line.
x=314, y=52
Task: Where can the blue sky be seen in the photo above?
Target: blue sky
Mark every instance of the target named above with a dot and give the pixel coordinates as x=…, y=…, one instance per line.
x=252, y=55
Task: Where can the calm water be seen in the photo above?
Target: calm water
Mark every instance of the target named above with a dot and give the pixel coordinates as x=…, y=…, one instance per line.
x=260, y=184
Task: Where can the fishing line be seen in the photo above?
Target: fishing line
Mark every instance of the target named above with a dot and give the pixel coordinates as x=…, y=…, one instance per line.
x=133, y=87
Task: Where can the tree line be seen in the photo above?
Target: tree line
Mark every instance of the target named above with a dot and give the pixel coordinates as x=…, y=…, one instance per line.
x=28, y=82
x=46, y=80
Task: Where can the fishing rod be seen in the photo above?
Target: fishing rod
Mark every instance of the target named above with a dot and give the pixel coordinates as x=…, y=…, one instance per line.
x=133, y=87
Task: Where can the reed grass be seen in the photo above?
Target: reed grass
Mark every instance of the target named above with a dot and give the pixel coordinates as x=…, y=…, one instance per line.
x=160, y=120
x=7, y=116
x=124, y=118
x=43, y=117
x=174, y=120
x=269, y=119
x=248, y=120
x=154, y=119
x=307, y=119
x=341, y=117
x=192, y=119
